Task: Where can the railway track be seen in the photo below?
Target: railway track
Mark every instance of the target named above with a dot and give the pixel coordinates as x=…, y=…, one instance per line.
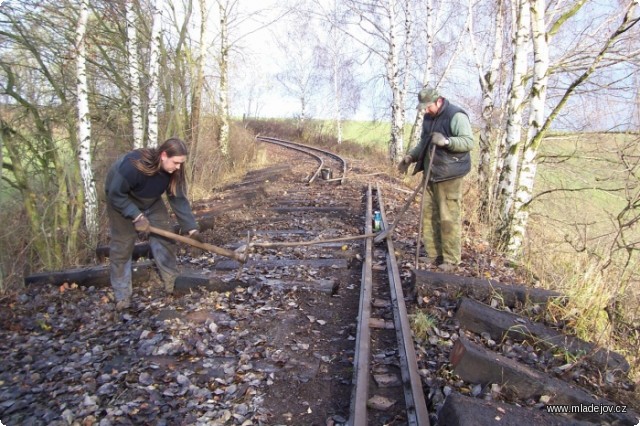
x=327, y=161
x=384, y=335
x=313, y=329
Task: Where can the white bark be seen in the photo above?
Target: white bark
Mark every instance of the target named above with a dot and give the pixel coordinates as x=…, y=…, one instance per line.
x=223, y=92
x=416, y=130
x=490, y=129
x=198, y=85
x=526, y=179
x=134, y=77
x=397, y=75
x=506, y=185
x=335, y=72
x=337, y=98
x=154, y=67
x=336, y=63
x=84, y=128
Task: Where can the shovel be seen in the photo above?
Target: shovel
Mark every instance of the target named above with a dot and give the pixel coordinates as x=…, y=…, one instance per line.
x=422, y=185
x=204, y=246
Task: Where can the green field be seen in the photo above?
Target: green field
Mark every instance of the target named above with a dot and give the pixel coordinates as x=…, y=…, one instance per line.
x=589, y=184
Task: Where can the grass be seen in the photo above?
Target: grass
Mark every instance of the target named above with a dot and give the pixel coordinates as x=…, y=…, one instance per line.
x=421, y=325
x=571, y=238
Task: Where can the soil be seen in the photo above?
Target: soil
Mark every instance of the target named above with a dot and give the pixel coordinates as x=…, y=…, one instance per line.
x=262, y=352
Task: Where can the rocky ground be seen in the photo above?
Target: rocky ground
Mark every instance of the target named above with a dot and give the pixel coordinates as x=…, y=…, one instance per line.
x=256, y=354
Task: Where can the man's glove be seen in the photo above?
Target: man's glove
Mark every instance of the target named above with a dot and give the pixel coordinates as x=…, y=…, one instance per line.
x=439, y=139
x=141, y=223
x=403, y=165
x=195, y=251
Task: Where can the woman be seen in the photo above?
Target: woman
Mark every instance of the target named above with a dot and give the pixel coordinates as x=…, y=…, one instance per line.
x=134, y=187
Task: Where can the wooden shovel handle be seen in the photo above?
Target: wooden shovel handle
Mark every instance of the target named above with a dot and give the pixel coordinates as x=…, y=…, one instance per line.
x=204, y=246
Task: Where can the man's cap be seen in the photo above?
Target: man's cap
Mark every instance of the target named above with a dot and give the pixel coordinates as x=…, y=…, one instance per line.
x=427, y=96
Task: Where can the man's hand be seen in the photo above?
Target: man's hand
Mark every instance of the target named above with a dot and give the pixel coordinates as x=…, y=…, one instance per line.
x=403, y=165
x=195, y=235
x=439, y=139
x=141, y=223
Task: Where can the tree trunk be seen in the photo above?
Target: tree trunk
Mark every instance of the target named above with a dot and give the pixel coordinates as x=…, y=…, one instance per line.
x=196, y=91
x=2, y=130
x=518, y=221
x=489, y=132
x=223, y=131
x=506, y=185
x=396, y=142
x=134, y=77
x=416, y=129
x=335, y=73
x=154, y=67
x=84, y=130
x=526, y=179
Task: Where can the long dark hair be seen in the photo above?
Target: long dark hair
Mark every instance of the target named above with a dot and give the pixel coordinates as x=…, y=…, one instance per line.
x=149, y=163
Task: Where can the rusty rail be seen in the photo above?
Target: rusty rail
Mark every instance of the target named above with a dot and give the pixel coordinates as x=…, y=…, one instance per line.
x=308, y=150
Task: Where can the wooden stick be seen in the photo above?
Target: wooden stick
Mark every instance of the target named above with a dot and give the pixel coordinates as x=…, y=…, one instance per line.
x=424, y=189
x=382, y=235
x=204, y=246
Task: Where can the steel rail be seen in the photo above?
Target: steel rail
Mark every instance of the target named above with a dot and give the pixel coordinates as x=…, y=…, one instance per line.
x=290, y=145
x=360, y=391
x=417, y=413
x=302, y=147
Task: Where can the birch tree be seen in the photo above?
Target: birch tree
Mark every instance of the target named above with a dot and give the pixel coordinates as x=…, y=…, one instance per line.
x=388, y=26
x=225, y=9
x=301, y=77
x=538, y=125
x=397, y=66
x=337, y=61
x=2, y=130
x=41, y=142
x=134, y=76
x=154, y=68
x=84, y=129
x=198, y=84
x=177, y=66
x=509, y=170
x=488, y=76
x=427, y=76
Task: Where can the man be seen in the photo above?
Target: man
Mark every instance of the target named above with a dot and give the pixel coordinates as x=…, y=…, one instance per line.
x=134, y=187
x=447, y=127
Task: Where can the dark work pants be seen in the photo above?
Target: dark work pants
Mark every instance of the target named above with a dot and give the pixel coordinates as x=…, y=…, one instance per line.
x=123, y=238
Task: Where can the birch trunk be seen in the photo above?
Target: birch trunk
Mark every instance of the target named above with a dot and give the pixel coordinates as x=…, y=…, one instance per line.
x=134, y=77
x=398, y=86
x=506, y=185
x=518, y=222
x=526, y=179
x=223, y=131
x=337, y=99
x=335, y=72
x=196, y=94
x=489, y=132
x=416, y=129
x=84, y=129
x=154, y=67
x=540, y=126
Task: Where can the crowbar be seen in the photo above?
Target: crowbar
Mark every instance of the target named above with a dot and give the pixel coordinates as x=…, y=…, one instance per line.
x=204, y=246
x=422, y=185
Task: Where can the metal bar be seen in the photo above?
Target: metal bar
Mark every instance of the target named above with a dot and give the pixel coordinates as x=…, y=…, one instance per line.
x=325, y=152
x=417, y=413
x=360, y=392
